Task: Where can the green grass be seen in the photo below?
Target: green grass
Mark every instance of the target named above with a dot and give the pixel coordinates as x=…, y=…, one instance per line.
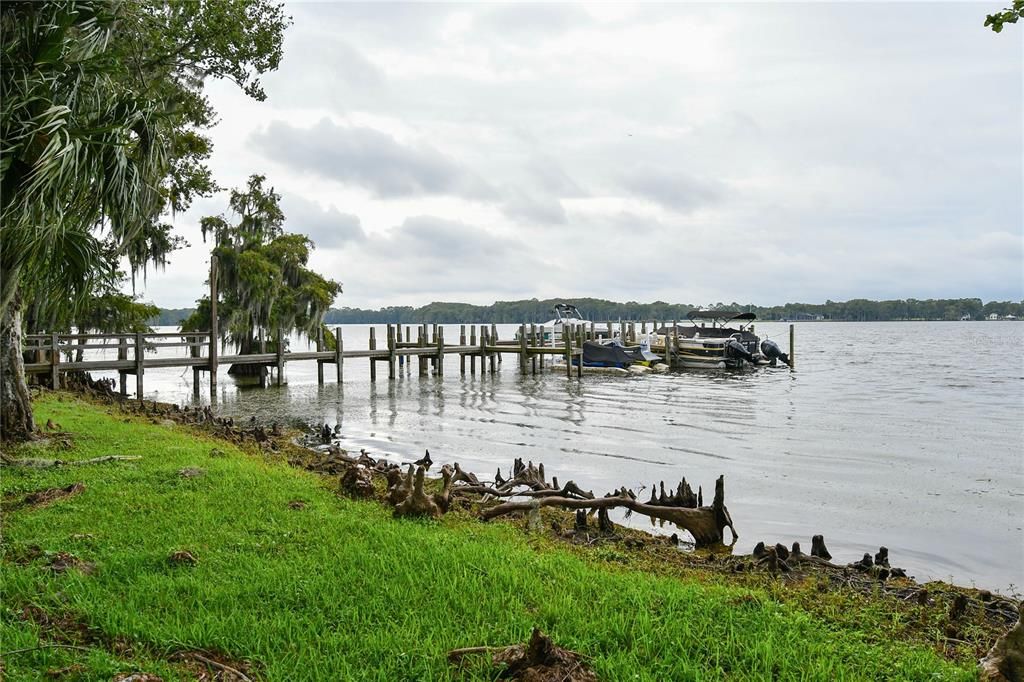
x=341, y=591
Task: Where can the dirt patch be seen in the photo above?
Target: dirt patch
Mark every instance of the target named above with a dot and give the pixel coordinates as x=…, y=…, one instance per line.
x=540, y=660
x=75, y=670
x=191, y=472
x=182, y=557
x=297, y=505
x=43, y=498
x=68, y=628
x=62, y=562
x=206, y=666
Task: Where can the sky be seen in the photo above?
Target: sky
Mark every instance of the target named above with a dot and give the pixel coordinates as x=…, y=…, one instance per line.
x=697, y=153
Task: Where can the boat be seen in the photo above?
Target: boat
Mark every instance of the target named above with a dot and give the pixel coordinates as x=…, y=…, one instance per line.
x=567, y=316
x=709, y=342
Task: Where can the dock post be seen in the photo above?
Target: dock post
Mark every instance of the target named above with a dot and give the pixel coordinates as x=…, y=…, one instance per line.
x=280, y=356
x=593, y=331
x=792, y=348
x=391, y=351
x=193, y=352
x=472, y=342
x=54, y=362
x=320, y=349
x=643, y=327
x=373, y=346
x=433, y=340
x=580, y=334
x=424, y=341
x=541, y=344
x=398, y=342
x=522, y=348
x=462, y=356
x=610, y=332
x=408, y=340
x=440, y=351
x=494, y=356
x=139, y=365
x=339, y=357
x=122, y=354
x=532, y=342
x=214, y=332
x=566, y=338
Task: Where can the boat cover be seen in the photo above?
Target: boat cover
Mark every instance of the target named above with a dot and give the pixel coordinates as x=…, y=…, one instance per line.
x=598, y=355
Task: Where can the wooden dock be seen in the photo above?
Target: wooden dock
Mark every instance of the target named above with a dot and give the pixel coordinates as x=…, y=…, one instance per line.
x=402, y=343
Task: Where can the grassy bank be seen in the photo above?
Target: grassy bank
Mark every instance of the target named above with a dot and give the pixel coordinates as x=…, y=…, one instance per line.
x=304, y=584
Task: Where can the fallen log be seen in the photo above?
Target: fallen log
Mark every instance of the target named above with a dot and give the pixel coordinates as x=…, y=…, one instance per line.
x=705, y=524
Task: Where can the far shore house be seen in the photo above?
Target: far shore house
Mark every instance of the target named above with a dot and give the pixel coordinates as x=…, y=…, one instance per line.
x=993, y=316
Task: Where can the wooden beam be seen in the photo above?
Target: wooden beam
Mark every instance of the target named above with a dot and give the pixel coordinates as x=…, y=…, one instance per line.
x=280, y=356
x=319, y=349
x=339, y=355
x=140, y=355
x=373, y=346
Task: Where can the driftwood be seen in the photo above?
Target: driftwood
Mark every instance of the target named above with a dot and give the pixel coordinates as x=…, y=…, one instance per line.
x=1005, y=660
x=539, y=661
x=570, y=489
x=705, y=524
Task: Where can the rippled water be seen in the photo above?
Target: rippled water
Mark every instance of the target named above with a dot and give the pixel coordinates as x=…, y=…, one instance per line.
x=906, y=434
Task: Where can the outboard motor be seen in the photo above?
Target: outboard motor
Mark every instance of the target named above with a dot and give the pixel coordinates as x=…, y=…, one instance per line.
x=737, y=350
x=771, y=350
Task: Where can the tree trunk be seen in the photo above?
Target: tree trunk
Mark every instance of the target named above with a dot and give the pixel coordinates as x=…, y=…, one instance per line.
x=16, y=422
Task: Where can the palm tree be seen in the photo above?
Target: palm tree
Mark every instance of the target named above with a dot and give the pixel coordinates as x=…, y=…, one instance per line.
x=100, y=102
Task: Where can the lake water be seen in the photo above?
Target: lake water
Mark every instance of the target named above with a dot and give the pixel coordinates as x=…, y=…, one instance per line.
x=907, y=434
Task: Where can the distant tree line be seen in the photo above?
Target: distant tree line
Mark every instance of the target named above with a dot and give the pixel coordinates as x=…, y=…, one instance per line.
x=533, y=310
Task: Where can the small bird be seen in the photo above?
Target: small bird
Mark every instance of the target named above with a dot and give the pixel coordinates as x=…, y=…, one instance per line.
x=50, y=426
x=425, y=461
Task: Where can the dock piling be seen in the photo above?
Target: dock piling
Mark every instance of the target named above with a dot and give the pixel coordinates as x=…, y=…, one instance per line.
x=140, y=359
x=339, y=354
x=792, y=348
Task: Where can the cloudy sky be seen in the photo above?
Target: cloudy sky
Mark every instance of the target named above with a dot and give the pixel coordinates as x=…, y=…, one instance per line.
x=690, y=153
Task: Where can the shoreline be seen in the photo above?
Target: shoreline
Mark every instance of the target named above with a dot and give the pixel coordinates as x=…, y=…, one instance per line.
x=812, y=587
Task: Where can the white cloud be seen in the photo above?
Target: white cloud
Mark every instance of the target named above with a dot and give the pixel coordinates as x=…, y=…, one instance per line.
x=761, y=152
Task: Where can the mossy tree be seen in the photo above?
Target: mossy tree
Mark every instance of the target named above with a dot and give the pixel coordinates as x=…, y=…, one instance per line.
x=263, y=282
